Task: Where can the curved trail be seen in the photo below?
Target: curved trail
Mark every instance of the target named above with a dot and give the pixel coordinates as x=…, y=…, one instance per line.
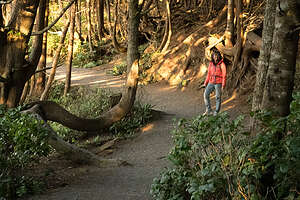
x=147, y=153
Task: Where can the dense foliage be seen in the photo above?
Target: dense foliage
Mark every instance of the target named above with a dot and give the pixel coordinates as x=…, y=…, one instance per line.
x=214, y=159
x=23, y=139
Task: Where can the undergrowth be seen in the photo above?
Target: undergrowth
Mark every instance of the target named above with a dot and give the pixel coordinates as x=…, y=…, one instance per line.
x=214, y=158
x=23, y=140
x=90, y=102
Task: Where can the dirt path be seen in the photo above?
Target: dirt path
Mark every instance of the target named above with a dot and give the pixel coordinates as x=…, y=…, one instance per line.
x=146, y=153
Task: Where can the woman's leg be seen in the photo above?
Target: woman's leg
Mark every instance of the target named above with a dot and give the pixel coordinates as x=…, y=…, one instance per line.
x=218, y=97
x=209, y=88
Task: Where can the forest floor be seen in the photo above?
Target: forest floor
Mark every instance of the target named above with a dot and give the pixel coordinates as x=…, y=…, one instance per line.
x=146, y=153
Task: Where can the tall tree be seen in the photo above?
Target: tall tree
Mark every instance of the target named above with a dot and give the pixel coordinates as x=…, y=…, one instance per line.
x=70, y=50
x=55, y=62
x=41, y=77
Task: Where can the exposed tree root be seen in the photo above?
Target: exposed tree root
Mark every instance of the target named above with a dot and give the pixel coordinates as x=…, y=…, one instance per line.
x=54, y=112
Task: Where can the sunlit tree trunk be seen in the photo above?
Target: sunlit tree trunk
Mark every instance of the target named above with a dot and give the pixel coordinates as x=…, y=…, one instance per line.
x=230, y=25
x=280, y=76
x=55, y=62
x=70, y=50
x=41, y=77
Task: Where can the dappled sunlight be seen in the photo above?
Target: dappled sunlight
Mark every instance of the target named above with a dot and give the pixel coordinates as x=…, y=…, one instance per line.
x=231, y=98
x=91, y=77
x=147, y=128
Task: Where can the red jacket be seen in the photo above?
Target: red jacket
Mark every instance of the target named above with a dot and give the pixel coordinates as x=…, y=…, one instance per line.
x=216, y=74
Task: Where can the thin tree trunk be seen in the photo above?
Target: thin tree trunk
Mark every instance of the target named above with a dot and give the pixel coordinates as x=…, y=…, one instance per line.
x=109, y=17
x=280, y=76
x=264, y=58
x=169, y=27
x=133, y=32
x=230, y=26
x=54, y=63
x=117, y=46
x=166, y=33
x=88, y=16
x=100, y=17
x=25, y=93
x=70, y=50
x=78, y=22
x=239, y=39
x=32, y=85
x=41, y=77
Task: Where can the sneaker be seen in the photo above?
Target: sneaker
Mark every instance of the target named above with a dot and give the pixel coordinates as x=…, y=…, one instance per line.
x=207, y=113
x=215, y=113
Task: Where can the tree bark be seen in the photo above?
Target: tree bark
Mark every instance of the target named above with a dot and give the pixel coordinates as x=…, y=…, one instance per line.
x=133, y=32
x=89, y=23
x=100, y=17
x=116, y=44
x=14, y=39
x=54, y=63
x=239, y=40
x=41, y=77
x=70, y=50
x=280, y=76
x=264, y=55
x=168, y=30
x=230, y=26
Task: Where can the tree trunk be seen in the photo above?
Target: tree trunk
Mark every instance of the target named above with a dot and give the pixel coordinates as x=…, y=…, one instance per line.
x=54, y=63
x=32, y=85
x=169, y=30
x=116, y=44
x=41, y=77
x=78, y=22
x=14, y=38
x=133, y=32
x=263, y=60
x=109, y=17
x=230, y=26
x=70, y=50
x=280, y=76
x=100, y=17
x=89, y=23
x=239, y=31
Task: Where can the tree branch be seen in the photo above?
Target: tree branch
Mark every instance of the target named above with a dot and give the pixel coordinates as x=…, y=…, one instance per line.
x=55, y=21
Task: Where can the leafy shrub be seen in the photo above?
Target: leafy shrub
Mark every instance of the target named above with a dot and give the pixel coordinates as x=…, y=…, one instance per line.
x=214, y=159
x=23, y=139
x=118, y=69
x=204, y=149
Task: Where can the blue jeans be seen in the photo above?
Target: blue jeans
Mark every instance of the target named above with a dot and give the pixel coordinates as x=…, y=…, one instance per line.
x=209, y=89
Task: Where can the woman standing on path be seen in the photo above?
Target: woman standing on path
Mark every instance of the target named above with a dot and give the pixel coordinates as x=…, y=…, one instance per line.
x=215, y=80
